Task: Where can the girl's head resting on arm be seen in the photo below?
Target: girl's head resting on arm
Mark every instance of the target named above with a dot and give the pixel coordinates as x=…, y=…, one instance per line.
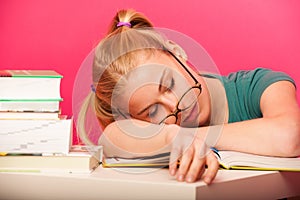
x=133, y=52
x=119, y=52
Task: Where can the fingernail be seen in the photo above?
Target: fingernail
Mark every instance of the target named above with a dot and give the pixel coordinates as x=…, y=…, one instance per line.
x=180, y=177
x=190, y=179
x=207, y=180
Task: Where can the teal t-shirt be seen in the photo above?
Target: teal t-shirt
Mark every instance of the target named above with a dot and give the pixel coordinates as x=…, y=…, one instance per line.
x=244, y=90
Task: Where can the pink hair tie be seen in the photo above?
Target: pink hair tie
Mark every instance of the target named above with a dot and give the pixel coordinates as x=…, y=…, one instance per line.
x=124, y=24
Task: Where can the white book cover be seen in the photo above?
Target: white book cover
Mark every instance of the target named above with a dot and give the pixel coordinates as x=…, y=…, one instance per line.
x=36, y=136
x=29, y=85
x=29, y=115
x=29, y=106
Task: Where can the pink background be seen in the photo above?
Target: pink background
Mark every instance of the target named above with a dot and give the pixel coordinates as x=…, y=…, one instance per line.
x=238, y=34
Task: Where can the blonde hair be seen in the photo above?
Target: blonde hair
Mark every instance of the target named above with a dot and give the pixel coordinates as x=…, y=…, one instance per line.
x=115, y=56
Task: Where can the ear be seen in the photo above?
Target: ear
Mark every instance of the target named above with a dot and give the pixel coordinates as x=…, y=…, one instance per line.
x=176, y=49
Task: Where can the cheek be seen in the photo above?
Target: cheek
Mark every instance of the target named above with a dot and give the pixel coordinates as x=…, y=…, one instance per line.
x=205, y=108
x=134, y=104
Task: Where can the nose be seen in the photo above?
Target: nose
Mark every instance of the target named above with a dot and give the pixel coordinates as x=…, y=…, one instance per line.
x=169, y=100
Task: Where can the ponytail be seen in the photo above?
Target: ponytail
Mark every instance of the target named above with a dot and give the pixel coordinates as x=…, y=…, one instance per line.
x=81, y=125
x=129, y=19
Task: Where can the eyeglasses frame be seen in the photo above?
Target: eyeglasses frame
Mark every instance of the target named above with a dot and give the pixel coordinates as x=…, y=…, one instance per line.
x=197, y=85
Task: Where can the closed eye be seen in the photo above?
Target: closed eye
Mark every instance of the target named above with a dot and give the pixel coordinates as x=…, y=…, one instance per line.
x=153, y=111
x=166, y=84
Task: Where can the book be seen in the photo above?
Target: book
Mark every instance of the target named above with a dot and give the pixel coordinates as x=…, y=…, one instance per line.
x=29, y=105
x=36, y=136
x=227, y=160
x=239, y=160
x=29, y=115
x=80, y=159
x=30, y=85
x=159, y=160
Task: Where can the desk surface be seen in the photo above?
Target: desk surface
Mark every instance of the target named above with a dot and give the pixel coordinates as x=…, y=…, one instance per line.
x=106, y=183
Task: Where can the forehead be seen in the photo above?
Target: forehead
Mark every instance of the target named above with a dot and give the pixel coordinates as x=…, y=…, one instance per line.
x=147, y=72
x=148, y=69
x=143, y=82
x=141, y=76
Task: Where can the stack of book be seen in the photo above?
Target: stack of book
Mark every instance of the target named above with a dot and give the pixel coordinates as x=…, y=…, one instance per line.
x=80, y=159
x=31, y=124
x=30, y=117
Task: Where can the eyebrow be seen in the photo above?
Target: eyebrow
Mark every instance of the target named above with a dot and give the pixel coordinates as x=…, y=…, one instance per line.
x=159, y=89
x=161, y=79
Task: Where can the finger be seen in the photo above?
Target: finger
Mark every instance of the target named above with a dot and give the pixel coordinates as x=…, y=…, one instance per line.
x=174, y=157
x=200, y=174
x=185, y=163
x=196, y=169
x=197, y=166
x=173, y=167
x=213, y=167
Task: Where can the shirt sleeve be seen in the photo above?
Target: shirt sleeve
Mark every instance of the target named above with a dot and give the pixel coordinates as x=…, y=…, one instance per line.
x=259, y=80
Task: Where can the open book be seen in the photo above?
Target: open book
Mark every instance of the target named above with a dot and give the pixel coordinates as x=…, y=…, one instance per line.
x=238, y=160
x=159, y=160
x=227, y=160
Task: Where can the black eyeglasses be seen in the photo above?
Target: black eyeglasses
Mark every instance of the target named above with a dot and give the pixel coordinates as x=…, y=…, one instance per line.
x=188, y=98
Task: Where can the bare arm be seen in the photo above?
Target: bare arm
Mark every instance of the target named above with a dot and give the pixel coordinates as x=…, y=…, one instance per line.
x=276, y=134
x=131, y=138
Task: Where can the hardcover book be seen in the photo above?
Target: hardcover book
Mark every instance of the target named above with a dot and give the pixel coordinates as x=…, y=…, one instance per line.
x=30, y=85
x=36, y=136
x=28, y=115
x=80, y=159
x=29, y=105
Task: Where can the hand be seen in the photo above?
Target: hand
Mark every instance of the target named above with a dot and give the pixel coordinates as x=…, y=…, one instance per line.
x=193, y=156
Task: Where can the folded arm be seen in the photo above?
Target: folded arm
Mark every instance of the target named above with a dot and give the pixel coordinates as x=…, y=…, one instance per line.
x=277, y=133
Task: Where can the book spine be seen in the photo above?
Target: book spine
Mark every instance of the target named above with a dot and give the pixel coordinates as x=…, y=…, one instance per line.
x=5, y=73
